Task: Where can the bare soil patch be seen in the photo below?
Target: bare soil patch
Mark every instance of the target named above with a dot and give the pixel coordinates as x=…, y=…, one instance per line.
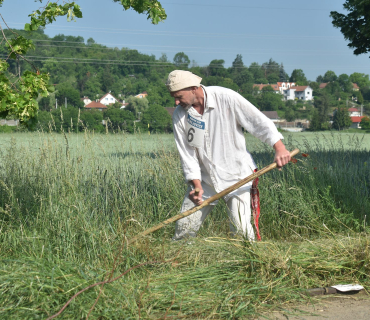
x=331, y=307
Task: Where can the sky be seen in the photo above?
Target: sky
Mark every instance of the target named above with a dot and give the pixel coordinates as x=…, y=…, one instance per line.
x=299, y=34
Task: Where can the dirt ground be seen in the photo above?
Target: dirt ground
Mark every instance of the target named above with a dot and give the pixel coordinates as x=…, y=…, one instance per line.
x=331, y=307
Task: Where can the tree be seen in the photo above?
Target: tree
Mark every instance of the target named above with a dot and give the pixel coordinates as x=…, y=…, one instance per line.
x=283, y=76
x=269, y=100
x=345, y=83
x=320, y=117
x=355, y=26
x=298, y=77
x=330, y=76
x=158, y=118
x=45, y=103
x=237, y=65
x=341, y=119
x=271, y=70
x=361, y=79
x=289, y=115
x=216, y=68
x=18, y=92
x=181, y=60
x=258, y=73
x=137, y=105
x=365, y=123
x=163, y=58
x=66, y=91
x=242, y=77
x=120, y=119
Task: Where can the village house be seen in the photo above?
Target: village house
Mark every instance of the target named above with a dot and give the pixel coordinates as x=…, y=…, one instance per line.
x=273, y=116
x=299, y=92
x=356, y=122
x=285, y=85
x=85, y=100
x=261, y=86
x=278, y=87
x=95, y=105
x=354, y=112
x=108, y=99
x=142, y=95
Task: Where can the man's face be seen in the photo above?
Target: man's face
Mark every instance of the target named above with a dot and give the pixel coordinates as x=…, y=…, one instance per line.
x=185, y=98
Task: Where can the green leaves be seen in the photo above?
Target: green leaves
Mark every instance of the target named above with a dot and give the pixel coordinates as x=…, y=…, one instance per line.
x=20, y=100
x=51, y=12
x=355, y=26
x=152, y=8
x=18, y=95
x=19, y=45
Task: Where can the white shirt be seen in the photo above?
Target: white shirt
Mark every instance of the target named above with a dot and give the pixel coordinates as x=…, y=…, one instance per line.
x=223, y=160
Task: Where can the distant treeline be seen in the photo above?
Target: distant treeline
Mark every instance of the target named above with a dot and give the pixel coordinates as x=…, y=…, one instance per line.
x=78, y=68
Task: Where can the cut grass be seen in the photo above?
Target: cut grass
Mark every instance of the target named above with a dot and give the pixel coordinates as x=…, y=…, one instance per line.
x=68, y=203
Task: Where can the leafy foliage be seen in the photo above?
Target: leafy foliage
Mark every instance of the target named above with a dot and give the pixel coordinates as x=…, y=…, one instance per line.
x=341, y=119
x=355, y=26
x=19, y=92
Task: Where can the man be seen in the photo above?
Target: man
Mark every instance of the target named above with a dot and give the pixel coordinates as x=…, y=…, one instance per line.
x=207, y=125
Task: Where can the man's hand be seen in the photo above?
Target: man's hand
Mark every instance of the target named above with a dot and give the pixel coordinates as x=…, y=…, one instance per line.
x=282, y=155
x=196, y=194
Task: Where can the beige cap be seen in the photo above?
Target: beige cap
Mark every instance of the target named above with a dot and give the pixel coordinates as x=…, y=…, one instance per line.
x=180, y=79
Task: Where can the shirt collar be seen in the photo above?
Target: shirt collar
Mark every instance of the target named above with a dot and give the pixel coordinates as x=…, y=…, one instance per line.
x=208, y=105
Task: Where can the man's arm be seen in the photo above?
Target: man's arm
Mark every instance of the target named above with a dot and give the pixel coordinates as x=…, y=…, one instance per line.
x=189, y=161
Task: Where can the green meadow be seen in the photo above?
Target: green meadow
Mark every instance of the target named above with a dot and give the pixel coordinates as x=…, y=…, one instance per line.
x=69, y=202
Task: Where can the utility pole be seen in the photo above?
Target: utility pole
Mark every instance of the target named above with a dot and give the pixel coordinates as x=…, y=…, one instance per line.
x=56, y=103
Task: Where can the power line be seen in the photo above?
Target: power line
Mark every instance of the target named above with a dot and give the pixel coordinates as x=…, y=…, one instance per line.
x=286, y=52
x=188, y=34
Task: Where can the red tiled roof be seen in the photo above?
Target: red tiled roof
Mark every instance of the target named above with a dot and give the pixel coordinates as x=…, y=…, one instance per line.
x=96, y=105
x=271, y=114
x=261, y=86
x=281, y=83
x=299, y=88
x=353, y=110
x=355, y=86
x=357, y=119
x=171, y=110
x=323, y=85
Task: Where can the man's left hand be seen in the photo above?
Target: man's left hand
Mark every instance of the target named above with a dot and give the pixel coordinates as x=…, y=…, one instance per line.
x=282, y=155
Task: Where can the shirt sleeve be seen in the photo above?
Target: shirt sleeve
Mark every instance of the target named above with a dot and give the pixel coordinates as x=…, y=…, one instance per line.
x=188, y=154
x=255, y=122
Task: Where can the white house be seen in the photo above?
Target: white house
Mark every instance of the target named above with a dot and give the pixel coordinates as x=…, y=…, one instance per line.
x=85, y=100
x=284, y=86
x=353, y=112
x=108, y=99
x=299, y=92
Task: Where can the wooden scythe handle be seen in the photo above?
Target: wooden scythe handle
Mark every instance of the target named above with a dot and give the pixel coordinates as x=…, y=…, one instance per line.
x=210, y=200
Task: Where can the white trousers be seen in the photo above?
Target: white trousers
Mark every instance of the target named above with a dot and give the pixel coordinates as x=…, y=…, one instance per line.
x=239, y=212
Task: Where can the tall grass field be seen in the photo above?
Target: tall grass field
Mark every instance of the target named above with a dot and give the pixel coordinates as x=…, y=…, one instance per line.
x=69, y=202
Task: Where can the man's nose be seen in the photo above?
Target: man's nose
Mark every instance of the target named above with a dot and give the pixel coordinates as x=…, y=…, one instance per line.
x=177, y=102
